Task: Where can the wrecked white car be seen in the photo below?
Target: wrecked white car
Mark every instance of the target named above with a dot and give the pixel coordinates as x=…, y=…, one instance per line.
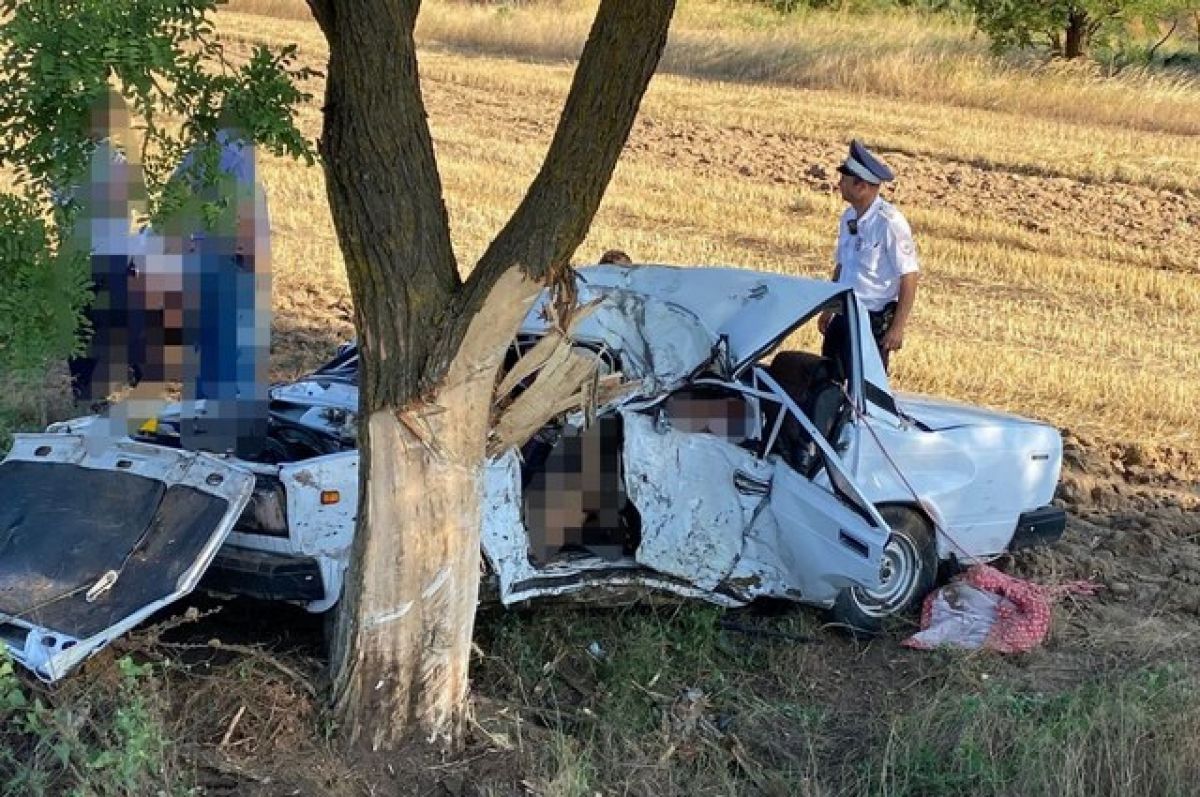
x=731, y=471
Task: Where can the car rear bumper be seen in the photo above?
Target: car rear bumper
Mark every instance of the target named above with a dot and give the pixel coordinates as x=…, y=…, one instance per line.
x=264, y=575
x=1042, y=526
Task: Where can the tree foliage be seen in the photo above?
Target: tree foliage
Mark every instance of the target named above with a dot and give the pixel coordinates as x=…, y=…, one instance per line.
x=61, y=58
x=42, y=286
x=1069, y=28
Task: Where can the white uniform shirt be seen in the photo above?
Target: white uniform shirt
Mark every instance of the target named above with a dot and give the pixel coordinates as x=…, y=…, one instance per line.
x=872, y=260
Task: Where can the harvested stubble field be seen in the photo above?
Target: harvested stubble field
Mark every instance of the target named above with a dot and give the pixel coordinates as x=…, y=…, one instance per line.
x=1058, y=220
x=1060, y=254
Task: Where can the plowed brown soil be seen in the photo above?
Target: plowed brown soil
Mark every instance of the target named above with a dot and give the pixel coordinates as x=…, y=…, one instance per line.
x=1032, y=199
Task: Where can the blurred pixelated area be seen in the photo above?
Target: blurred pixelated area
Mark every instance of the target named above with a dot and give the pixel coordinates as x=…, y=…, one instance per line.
x=574, y=494
x=181, y=304
x=712, y=412
x=575, y=501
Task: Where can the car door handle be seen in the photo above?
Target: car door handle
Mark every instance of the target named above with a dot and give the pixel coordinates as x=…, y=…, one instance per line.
x=746, y=484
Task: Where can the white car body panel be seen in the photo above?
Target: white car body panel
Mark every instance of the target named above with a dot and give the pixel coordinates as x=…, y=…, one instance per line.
x=324, y=532
x=666, y=319
x=322, y=529
x=978, y=478
x=51, y=652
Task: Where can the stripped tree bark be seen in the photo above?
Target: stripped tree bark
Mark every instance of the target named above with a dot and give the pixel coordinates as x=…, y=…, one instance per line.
x=431, y=343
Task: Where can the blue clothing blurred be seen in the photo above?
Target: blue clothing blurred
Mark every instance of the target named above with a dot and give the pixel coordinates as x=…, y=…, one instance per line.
x=227, y=300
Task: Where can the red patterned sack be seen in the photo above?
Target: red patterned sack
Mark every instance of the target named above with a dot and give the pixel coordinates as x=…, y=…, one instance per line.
x=987, y=609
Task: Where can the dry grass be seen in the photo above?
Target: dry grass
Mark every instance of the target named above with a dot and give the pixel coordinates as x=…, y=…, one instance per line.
x=904, y=55
x=1092, y=331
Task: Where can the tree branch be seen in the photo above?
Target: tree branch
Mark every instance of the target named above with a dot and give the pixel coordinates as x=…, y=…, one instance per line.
x=618, y=60
x=1163, y=40
x=385, y=193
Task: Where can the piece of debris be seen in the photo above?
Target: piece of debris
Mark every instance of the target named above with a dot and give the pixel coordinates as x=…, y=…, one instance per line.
x=987, y=609
x=597, y=651
x=686, y=715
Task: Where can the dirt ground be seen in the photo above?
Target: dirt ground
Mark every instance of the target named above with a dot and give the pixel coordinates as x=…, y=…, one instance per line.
x=1128, y=214
x=1134, y=527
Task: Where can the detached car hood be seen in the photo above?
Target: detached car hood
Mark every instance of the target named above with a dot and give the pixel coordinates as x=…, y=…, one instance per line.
x=938, y=414
x=666, y=322
x=96, y=535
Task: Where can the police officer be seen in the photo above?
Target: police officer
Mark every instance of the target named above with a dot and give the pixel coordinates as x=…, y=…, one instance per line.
x=875, y=256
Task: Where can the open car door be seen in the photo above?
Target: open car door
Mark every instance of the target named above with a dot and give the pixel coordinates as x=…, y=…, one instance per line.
x=830, y=535
x=702, y=498
x=92, y=542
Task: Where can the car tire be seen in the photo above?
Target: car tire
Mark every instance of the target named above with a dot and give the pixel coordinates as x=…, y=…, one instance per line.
x=909, y=568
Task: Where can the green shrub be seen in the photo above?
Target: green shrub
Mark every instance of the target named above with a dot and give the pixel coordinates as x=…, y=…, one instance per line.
x=103, y=738
x=43, y=288
x=1096, y=738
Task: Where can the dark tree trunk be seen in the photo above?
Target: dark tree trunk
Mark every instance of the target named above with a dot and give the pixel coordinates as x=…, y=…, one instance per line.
x=1077, y=34
x=431, y=345
x=385, y=194
x=1170, y=32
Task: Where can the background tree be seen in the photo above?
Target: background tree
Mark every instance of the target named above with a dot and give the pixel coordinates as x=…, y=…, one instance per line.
x=1068, y=27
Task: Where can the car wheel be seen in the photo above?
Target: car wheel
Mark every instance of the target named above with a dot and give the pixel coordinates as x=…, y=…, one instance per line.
x=908, y=572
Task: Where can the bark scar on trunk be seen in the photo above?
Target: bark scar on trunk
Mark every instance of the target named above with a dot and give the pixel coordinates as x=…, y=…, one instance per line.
x=416, y=421
x=387, y=617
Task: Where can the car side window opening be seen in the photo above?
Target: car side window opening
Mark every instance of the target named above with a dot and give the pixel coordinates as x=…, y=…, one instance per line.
x=819, y=383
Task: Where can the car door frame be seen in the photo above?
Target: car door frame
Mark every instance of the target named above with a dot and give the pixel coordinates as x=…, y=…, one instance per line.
x=856, y=534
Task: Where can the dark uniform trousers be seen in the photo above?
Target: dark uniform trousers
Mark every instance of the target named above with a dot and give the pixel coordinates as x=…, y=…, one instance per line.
x=836, y=345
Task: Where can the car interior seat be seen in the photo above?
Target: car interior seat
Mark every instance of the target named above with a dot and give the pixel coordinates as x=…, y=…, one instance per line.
x=815, y=383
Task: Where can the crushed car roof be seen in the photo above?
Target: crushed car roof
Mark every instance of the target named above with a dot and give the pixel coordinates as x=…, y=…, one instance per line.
x=666, y=320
